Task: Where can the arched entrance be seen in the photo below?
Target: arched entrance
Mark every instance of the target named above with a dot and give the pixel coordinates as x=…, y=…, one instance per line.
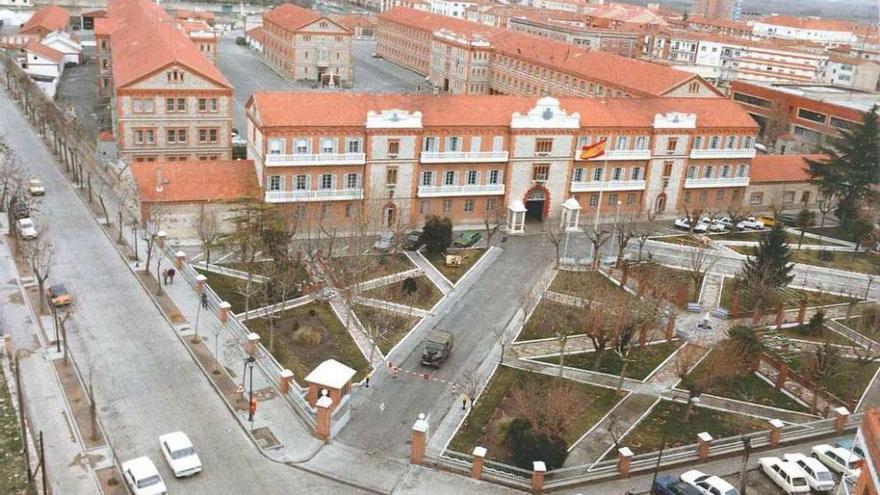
x=389, y=215
x=536, y=204
x=660, y=203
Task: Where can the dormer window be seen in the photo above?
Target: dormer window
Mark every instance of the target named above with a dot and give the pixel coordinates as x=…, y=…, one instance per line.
x=175, y=76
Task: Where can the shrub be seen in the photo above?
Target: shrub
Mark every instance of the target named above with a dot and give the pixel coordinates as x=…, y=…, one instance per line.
x=826, y=255
x=816, y=323
x=295, y=325
x=307, y=336
x=437, y=234
x=410, y=286
x=527, y=445
x=312, y=312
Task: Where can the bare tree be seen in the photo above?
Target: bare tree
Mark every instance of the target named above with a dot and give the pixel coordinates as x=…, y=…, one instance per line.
x=598, y=238
x=40, y=255
x=12, y=173
x=645, y=229
x=93, y=405
x=493, y=219
x=826, y=205
x=554, y=232
x=151, y=232
x=700, y=260
x=737, y=214
x=470, y=384
x=208, y=228
x=693, y=214
x=625, y=228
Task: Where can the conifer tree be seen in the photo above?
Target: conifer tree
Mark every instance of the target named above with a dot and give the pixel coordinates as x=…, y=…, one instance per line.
x=772, y=261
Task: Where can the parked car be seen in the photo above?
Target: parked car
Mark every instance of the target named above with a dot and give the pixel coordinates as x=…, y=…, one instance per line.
x=682, y=223
x=26, y=229
x=21, y=209
x=727, y=222
x=180, y=454
x=850, y=445
x=36, y=188
x=412, y=241
x=467, y=239
x=767, y=221
x=789, y=219
x=385, y=241
x=717, y=226
x=241, y=41
x=818, y=476
x=750, y=223
x=838, y=460
x=708, y=484
x=58, y=295
x=142, y=477
x=787, y=475
x=438, y=347
x=702, y=227
x=667, y=485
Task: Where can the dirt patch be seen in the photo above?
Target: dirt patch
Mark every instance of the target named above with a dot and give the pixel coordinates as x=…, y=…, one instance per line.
x=165, y=302
x=79, y=404
x=265, y=438
x=420, y=292
x=111, y=481
x=218, y=375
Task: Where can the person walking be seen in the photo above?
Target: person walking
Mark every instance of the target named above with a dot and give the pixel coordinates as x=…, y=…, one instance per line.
x=204, y=300
x=165, y=277
x=171, y=273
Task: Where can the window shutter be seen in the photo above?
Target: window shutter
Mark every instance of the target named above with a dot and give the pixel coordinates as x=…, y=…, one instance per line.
x=308, y=183
x=498, y=143
x=476, y=142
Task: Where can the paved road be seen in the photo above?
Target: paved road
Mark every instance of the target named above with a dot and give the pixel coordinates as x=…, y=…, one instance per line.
x=382, y=422
x=145, y=382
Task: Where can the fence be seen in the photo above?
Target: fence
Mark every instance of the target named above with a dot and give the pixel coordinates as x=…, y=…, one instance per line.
x=568, y=477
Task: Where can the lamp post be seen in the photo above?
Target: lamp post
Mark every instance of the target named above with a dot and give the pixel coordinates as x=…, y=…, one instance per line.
x=250, y=361
x=616, y=221
x=55, y=320
x=137, y=257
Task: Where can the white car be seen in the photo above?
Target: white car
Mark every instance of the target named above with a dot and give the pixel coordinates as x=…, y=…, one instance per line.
x=682, y=223
x=750, y=223
x=717, y=226
x=142, y=477
x=180, y=454
x=708, y=485
x=702, y=227
x=818, y=476
x=26, y=229
x=787, y=475
x=838, y=460
x=35, y=187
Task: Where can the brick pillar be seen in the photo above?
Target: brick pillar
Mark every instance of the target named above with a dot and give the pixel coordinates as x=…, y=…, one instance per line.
x=477, y=467
x=670, y=327
x=780, y=314
x=840, y=416
x=775, y=427
x=284, y=380
x=224, y=311
x=179, y=257
x=625, y=275
x=624, y=457
x=160, y=239
x=7, y=346
x=417, y=448
x=782, y=376
x=322, y=423
x=251, y=347
x=802, y=312
x=200, y=283
x=703, y=441
x=538, y=470
x=734, y=305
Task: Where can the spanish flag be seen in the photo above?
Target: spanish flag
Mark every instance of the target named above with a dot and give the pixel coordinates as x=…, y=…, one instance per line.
x=594, y=150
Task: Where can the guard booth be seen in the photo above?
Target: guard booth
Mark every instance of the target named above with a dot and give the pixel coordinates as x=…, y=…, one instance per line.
x=332, y=376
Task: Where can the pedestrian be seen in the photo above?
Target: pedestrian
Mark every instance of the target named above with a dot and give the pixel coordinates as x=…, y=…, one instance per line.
x=165, y=277
x=204, y=300
x=171, y=273
x=367, y=379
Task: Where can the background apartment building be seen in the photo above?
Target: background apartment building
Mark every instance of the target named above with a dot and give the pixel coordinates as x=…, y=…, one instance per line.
x=475, y=157
x=306, y=46
x=626, y=43
x=168, y=101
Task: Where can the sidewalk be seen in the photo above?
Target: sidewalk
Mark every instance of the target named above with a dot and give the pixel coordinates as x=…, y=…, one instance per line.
x=431, y=272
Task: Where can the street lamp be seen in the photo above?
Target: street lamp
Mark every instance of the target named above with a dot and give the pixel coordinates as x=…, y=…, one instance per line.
x=55, y=320
x=250, y=362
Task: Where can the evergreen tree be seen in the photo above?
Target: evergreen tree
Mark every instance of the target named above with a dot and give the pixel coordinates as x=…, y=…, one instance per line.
x=849, y=169
x=772, y=263
x=437, y=234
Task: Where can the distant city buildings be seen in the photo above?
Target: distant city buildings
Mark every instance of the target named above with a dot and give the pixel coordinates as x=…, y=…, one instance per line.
x=43, y=47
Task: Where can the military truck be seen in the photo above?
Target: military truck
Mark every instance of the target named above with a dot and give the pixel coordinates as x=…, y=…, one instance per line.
x=438, y=347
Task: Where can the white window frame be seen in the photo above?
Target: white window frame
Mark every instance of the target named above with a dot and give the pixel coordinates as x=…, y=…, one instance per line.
x=427, y=178
x=430, y=143
x=495, y=176
x=276, y=146
x=691, y=172
x=302, y=146
x=617, y=174
x=302, y=182
x=328, y=145
x=578, y=175
x=636, y=173
x=472, y=177
x=476, y=144
x=323, y=184
x=357, y=148
x=498, y=143
x=276, y=183
x=450, y=178
x=453, y=143
x=622, y=143
x=597, y=174
x=641, y=143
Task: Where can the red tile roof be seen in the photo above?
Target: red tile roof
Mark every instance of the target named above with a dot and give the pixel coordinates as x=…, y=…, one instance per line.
x=196, y=181
x=352, y=21
x=813, y=23
x=50, y=18
x=145, y=40
x=204, y=15
x=291, y=17
x=310, y=109
x=780, y=168
x=428, y=22
x=257, y=34
x=44, y=51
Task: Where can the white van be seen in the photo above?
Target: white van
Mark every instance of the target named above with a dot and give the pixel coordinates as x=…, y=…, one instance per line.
x=787, y=475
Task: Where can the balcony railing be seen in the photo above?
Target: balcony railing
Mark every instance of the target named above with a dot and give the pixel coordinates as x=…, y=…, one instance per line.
x=611, y=185
x=475, y=190
x=463, y=156
x=623, y=155
x=716, y=182
x=319, y=195
x=316, y=159
x=725, y=153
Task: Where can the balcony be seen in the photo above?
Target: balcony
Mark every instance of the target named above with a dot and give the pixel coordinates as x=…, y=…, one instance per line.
x=463, y=156
x=475, y=190
x=611, y=155
x=611, y=185
x=725, y=153
x=716, y=182
x=316, y=159
x=319, y=195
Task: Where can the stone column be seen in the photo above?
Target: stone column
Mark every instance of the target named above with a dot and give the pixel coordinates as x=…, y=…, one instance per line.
x=703, y=441
x=477, y=467
x=782, y=376
x=670, y=327
x=200, y=283
x=840, y=416
x=775, y=427
x=224, y=311
x=251, y=347
x=417, y=444
x=624, y=457
x=160, y=239
x=780, y=314
x=178, y=259
x=538, y=470
x=284, y=380
x=322, y=423
x=802, y=312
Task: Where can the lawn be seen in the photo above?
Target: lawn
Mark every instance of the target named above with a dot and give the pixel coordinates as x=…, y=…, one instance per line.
x=824, y=336
x=583, y=284
x=867, y=325
x=643, y=360
x=673, y=285
x=308, y=335
x=392, y=327
x=265, y=268
x=227, y=288
x=363, y=267
x=848, y=380
x=486, y=423
x=426, y=294
x=13, y=477
x=547, y=315
x=791, y=298
x=648, y=435
x=841, y=260
x=834, y=232
x=742, y=385
x=683, y=239
x=469, y=257
x=756, y=236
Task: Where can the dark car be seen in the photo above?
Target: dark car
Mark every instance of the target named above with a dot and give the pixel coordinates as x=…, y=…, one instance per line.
x=667, y=485
x=467, y=239
x=438, y=347
x=240, y=41
x=21, y=209
x=412, y=241
x=789, y=219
